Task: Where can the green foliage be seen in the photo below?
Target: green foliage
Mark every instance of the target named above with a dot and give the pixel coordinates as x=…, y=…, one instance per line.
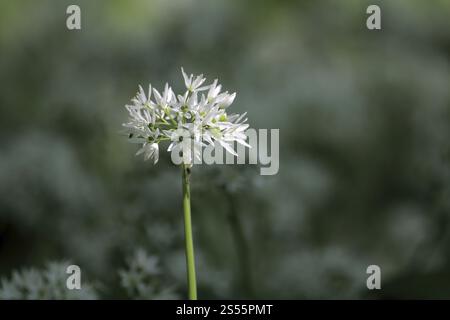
x=364, y=121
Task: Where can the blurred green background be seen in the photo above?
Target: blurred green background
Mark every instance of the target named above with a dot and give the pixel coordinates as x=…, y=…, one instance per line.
x=364, y=150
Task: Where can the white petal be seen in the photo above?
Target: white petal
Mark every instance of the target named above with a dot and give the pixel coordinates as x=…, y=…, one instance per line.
x=187, y=80
x=227, y=147
x=157, y=96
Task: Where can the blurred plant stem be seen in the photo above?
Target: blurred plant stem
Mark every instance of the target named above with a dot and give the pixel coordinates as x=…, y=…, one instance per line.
x=190, y=261
x=243, y=252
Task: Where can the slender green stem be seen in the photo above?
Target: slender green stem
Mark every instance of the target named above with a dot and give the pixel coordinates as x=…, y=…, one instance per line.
x=190, y=261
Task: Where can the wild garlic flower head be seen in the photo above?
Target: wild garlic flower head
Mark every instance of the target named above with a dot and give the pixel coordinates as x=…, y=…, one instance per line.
x=190, y=121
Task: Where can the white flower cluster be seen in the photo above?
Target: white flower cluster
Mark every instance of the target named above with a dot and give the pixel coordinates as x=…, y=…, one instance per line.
x=144, y=279
x=190, y=121
x=44, y=284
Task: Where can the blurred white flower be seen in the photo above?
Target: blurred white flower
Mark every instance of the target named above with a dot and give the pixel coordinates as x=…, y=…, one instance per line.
x=142, y=278
x=45, y=284
x=190, y=121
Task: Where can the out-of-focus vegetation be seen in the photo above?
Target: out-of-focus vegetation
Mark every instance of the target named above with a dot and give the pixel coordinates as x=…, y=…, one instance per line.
x=364, y=119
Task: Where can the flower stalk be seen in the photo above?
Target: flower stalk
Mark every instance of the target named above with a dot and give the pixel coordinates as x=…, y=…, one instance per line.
x=190, y=259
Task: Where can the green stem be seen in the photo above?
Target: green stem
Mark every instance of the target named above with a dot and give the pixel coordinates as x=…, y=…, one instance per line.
x=190, y=262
